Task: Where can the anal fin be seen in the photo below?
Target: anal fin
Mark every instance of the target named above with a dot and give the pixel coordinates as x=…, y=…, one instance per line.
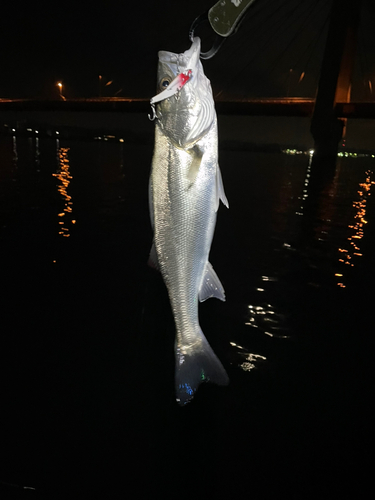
x=220, y=193
x=211, y=286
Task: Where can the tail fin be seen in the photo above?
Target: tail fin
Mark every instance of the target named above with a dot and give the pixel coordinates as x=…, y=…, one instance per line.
x=200, y=365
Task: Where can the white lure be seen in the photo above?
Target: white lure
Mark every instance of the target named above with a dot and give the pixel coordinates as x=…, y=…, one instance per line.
x=185, y=189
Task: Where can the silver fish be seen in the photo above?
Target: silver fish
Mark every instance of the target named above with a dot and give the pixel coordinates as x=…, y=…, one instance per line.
x=185, y=189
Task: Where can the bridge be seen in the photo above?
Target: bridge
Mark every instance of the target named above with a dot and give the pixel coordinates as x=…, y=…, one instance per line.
x=328, y=111
x=287, y=106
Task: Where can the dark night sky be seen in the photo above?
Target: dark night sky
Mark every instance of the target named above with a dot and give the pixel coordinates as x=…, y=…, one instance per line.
x=44, y=42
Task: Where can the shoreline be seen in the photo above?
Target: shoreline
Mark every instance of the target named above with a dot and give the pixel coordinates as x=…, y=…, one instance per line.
x=235, y=131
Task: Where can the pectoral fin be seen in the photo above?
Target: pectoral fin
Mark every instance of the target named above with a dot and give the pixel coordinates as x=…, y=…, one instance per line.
x=220, y=194
x=153, y=258
x=211, y=286
x=197, y=155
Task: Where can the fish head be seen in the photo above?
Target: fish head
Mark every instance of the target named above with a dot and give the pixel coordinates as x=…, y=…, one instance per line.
x=186, y=116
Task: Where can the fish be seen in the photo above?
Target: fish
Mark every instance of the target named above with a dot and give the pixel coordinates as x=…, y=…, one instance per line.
x=185, y=189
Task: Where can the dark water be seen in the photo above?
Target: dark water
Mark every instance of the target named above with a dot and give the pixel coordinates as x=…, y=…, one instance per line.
x=87, y=365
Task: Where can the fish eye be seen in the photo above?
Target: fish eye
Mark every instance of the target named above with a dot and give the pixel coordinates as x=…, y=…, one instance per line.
x=164, y=82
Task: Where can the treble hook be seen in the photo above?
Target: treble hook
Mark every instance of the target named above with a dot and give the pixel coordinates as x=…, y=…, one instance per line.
x=154, y=115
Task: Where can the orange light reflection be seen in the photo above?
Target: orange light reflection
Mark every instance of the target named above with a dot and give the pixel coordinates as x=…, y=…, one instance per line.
x=353, y=249
x=63, y=175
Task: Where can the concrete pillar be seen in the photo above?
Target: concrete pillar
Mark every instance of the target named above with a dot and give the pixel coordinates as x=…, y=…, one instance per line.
x=335, y=76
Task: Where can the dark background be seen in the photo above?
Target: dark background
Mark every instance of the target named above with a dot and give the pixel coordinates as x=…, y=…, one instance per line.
x=87, y=377
x=75, y=42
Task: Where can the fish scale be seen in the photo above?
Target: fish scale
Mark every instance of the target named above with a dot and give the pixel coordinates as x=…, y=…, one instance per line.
x=185, y=186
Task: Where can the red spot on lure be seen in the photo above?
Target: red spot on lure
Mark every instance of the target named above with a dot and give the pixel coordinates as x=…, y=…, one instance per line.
x=184, y=78
x=172, y=89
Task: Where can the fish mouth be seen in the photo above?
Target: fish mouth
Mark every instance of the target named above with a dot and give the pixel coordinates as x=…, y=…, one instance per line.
x=189, y=117
x=187, y=60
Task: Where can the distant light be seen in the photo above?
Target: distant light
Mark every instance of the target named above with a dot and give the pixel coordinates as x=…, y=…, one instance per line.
x=311, y=152
x=236, y=345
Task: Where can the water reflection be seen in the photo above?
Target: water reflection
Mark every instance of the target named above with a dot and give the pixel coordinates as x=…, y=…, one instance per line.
x=15, y=154
x=264, y=319
x=37, y=154
x=249, y=359
x=267, y=320
x=317, y=198
x=325, y=215
x=63, y=175
x=304, y=195
x=348, y=253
